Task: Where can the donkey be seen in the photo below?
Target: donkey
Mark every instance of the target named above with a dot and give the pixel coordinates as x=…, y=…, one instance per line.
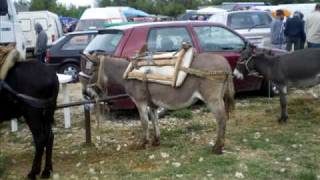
x=30, y=90
x=218, y=94
x=297, y=69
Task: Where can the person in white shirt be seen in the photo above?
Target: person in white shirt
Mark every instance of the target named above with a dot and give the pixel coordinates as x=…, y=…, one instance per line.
x=312, y=28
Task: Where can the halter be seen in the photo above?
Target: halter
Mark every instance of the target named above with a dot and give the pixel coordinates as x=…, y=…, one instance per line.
x=246, y=62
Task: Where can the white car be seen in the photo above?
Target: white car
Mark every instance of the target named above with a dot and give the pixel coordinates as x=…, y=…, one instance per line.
x=254, y=25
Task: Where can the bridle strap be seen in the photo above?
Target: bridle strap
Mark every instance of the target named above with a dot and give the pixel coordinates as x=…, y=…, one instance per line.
x=246, y=62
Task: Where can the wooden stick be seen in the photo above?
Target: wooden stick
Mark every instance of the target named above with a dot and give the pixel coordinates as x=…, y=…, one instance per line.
x=109, y=98
x=164, y=62
x=153, y=76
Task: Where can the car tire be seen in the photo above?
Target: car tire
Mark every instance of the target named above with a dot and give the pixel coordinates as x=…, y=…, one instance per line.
x=70, y=69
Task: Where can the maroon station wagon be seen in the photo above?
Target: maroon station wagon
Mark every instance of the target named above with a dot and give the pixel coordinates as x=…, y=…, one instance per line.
x=125, y=41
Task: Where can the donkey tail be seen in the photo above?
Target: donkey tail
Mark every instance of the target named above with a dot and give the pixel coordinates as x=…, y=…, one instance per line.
x=229, y=95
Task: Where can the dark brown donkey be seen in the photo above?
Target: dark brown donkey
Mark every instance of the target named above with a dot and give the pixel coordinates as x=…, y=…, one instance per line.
x=217, y=91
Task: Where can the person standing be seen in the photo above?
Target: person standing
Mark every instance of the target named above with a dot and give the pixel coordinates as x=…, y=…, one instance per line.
x=41, y=43
x=277, y=31
x=294, y=32
x=312, y=27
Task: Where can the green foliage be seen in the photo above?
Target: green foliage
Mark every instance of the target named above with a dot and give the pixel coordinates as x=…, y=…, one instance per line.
x=53, y=6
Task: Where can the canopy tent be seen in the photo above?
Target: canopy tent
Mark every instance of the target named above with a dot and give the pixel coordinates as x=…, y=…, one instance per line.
x=131, y=12
x=210, y=10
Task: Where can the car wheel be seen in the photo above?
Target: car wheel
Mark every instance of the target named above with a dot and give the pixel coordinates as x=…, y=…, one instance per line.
x=70, y=69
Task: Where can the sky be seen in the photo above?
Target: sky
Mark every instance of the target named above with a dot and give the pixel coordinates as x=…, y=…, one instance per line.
x=75, y=2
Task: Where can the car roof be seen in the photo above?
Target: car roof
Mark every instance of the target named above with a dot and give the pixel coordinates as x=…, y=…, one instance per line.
x=162, y=24
x=82, y=32
x=243, y=11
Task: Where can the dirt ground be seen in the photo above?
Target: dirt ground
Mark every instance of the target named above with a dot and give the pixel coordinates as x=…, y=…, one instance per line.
x=257, y=147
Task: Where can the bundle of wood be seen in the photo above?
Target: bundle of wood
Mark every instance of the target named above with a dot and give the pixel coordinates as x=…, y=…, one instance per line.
x=164, y=68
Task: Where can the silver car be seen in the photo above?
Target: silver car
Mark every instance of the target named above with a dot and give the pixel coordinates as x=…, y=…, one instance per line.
x=254, y=25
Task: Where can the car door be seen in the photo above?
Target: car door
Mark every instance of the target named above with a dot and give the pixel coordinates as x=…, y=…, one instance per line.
x=220, y=40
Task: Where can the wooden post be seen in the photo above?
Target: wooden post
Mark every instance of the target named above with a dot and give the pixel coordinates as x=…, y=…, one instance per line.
x=87, y=124
x=14, y=125
x=66, y=111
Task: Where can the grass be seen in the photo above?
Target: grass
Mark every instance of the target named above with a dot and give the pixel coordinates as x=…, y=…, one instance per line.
x=182, y=114
x=256, y=148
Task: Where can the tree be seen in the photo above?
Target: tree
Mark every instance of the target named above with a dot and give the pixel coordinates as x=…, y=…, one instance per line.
x=43, y=5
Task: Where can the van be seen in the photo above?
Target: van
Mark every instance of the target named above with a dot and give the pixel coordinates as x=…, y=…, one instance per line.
x=10, y=30
x=254, y=25
x=49, y=21
x=96, y=18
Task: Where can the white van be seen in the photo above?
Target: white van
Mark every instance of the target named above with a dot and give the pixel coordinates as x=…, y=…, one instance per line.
x=96, y=18
x=49, y=21
x=10, y=30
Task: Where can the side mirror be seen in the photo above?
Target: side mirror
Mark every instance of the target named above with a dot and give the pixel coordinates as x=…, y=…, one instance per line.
x=3, y=7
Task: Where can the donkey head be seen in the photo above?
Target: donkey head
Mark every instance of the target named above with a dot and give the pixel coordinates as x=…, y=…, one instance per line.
x=89, y=75
x=245, y=64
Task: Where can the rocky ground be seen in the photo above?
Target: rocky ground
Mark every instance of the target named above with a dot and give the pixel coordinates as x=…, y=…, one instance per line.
x=257, y=147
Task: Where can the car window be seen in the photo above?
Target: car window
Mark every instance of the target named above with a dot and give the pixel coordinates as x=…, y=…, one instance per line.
x=106, y=42
x=214, y=38
x=249, y=20
x=167, y=39
x=78, y=42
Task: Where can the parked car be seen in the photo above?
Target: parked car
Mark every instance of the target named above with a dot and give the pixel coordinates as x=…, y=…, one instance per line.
x=125, y=41
x=49, y=21
x=97, y=18
x=64, y=55
x=254, y=25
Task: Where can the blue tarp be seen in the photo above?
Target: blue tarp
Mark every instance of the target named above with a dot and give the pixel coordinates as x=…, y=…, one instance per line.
x=131, y=12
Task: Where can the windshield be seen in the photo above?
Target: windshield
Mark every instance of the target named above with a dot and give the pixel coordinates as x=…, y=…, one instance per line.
x=106, y=43
x=91, y=24
x=249, y=20
x=58, y=40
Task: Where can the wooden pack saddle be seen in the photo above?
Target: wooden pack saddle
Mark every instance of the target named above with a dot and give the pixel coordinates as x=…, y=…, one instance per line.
x=8, y=57
x=165, y=68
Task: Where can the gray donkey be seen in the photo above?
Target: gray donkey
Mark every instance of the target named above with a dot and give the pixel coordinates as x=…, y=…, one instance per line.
x=217, y=91
x=297, y=69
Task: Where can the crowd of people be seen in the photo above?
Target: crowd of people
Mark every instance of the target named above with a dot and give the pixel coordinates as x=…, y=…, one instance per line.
x=294, y=32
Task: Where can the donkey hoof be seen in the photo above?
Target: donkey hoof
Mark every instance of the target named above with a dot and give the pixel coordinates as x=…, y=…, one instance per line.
x=282, y=120
x=32, y=176
x=217, y=150
x=156, y=142
x=144, y=144
x=45, y=174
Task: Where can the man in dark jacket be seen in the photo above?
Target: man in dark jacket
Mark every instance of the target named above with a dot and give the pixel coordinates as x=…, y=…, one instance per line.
x=294, y=32
x=41, y=43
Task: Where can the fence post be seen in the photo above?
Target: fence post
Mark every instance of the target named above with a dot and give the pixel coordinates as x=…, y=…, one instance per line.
x=14, y=125
x=87, y=123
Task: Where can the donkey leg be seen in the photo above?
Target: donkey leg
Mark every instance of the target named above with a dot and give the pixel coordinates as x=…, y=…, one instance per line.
x=48, y=163
x=219, y=112
x=283, y=104
x=155, y=122
x=39, y=141
x=143, y=112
